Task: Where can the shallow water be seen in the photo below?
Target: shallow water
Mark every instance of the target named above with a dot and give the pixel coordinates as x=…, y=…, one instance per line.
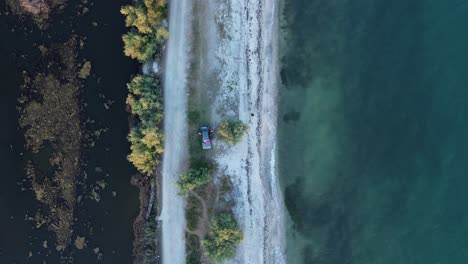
x=373, y=114
x=107, y=224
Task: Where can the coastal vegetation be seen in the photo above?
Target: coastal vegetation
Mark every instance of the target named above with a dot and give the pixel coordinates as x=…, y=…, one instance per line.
x=212, y=230
x=146, y=20
x=145, y=102
x=147, y=33
x=208, y=208
x=232, y=131
x=148, y=241
x=210, y=203
x=193, y=249
x=192, y=179
x=222, y=240
x=138, y=46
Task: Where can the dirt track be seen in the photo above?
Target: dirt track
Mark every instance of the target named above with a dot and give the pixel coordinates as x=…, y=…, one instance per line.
x=175, y=126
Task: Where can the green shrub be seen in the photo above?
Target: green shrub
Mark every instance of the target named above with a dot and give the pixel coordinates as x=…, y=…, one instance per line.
x=193, y=179
x=223, y=238
x=146, y=34
x=193, y=249
x=149, y=241
x=193, y=212
x=146, y=148
x=146, y=140
x=194, y=117
x=139, y=46
x=145, y=100
x=146, y=16
x=231, y=131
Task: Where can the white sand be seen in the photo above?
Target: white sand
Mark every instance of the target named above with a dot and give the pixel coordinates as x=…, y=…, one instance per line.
x=248, y=56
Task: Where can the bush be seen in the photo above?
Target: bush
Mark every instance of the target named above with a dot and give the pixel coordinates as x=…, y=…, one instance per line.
x=146, y=140
x=223, y=237
x=146, y=148
x=193, y=249
x=147, y=33
x=232, y=131
x=193, y=179
x=145, y=16
x=145, y=100
x=139, y=46
x=149, y=239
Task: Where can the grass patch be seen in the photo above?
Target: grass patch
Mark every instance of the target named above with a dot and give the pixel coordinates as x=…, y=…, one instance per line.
x=193, y=212
x=193, y=249
x=194, y=118
x=201, y=162
x=226, y=185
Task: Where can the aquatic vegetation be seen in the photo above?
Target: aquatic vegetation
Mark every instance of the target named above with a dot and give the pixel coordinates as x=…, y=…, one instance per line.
x=80, y=242
x=194, y=178
x=50, y=116
x=144, y=226
x=85, y=70
x=232, y=131
x=39, y=10
x=223, y=238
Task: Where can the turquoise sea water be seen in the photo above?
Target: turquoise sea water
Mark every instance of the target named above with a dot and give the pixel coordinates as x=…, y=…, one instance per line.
x=373, y=131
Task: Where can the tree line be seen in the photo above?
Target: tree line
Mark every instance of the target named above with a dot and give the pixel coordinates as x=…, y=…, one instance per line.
x=146, y=20
x=148, y=32
x=143, y=42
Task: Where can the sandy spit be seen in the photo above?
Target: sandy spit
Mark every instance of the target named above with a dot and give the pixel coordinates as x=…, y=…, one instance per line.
x=249, y=63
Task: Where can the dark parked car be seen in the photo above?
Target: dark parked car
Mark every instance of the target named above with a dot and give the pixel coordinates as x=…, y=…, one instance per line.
x=206, y=141
x=205, y=135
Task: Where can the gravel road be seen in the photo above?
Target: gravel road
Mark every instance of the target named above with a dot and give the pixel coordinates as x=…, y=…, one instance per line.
x=175, y=126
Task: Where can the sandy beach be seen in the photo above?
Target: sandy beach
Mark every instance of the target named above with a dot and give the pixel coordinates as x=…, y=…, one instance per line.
x=248, y=55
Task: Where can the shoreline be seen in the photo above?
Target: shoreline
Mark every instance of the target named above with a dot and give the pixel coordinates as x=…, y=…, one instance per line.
x=252, y=163
x=243, y=57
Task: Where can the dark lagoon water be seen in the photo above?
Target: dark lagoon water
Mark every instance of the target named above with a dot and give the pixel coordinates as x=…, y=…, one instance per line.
x=374, y=131
x=107, y=224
